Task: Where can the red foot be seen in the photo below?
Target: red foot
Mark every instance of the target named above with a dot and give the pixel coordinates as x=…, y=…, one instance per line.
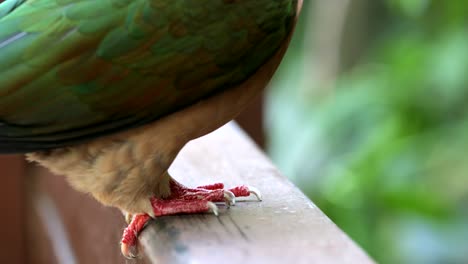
x=239, y=191
x=182, y=200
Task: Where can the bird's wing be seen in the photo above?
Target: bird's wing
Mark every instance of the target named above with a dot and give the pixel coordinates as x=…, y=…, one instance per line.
x=71, y=70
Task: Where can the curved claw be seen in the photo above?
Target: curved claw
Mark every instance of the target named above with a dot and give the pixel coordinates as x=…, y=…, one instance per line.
x=129, y=252
x=256, y=192
x=212, y=208
x=229, y=198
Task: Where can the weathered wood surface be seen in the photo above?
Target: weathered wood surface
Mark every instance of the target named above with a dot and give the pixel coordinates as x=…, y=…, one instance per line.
x=285, y=228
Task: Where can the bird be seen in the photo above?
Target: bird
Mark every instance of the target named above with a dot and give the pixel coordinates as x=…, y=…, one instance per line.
x=107, y=92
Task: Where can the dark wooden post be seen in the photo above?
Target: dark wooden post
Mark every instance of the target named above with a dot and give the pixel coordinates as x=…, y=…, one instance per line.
x=12, y=242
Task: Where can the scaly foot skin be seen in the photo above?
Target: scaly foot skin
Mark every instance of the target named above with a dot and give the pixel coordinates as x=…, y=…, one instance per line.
x=182, y=200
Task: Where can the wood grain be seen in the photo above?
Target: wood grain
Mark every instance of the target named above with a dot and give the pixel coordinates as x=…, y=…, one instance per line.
x=285, y=227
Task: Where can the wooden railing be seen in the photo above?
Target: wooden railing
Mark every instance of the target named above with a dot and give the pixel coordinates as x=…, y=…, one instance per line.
x=64, y=226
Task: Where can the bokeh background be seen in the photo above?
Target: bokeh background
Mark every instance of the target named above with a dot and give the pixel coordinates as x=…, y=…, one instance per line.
x=368, y=115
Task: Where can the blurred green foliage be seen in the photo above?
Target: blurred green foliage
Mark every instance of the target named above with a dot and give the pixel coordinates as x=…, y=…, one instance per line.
x=385, y=154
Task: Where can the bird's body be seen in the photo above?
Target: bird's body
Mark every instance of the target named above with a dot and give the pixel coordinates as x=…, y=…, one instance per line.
x=78, y=69
x=107, y=92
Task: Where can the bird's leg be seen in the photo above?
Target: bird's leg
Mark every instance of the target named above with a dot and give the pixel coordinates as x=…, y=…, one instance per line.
x=183, y=200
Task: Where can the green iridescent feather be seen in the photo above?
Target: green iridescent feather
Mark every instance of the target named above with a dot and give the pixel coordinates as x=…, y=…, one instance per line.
x=76, y=69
